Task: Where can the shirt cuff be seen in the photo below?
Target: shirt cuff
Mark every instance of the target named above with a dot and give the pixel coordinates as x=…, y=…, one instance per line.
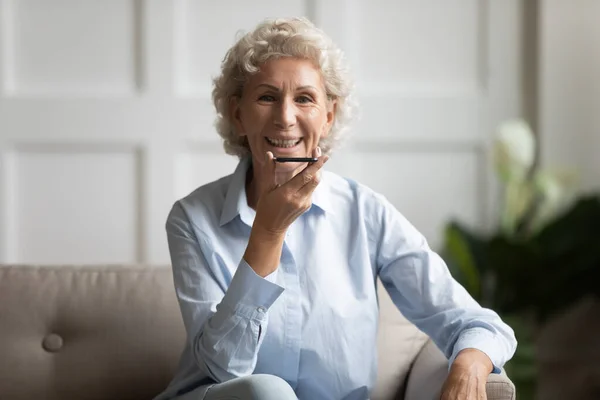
x=249, y=294
x=480, y=339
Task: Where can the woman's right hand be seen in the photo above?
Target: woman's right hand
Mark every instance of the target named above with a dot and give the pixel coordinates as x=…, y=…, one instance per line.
x=278, y=206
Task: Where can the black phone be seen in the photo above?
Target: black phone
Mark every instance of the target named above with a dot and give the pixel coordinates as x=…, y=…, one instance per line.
x=296, y=159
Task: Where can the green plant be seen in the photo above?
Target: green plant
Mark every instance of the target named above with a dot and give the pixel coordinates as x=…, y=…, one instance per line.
x=538, y=275
x=543, y=256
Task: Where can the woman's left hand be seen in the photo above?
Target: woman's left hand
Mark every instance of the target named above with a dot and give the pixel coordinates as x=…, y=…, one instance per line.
x=467, y=377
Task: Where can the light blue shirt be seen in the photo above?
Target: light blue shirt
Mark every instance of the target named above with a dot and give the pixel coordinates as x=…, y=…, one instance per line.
x=312, y=322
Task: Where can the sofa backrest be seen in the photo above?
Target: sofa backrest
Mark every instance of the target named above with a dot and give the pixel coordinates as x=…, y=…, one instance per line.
x=115, y=332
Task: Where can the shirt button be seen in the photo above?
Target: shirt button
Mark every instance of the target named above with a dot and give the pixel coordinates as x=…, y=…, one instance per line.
x=262, y=309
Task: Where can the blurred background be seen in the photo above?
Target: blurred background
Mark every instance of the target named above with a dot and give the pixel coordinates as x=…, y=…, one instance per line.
x=106, y=120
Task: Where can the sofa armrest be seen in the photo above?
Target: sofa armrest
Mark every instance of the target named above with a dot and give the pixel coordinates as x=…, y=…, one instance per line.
x=500, y=387
x=430, y=369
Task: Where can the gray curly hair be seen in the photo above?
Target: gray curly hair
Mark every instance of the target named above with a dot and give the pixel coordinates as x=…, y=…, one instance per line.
x=275, y=38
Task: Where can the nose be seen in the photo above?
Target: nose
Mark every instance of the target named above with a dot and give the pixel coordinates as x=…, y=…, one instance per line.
x=285, y=116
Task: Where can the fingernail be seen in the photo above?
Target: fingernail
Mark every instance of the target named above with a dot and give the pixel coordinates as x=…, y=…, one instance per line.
x=318, y=151
x=325, y=159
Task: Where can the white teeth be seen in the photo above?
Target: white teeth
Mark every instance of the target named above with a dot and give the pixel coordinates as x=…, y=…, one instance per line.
x=283, y=143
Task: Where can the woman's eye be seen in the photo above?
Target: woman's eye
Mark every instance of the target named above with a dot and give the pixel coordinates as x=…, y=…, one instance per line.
x=303, y=99
x=266, y=97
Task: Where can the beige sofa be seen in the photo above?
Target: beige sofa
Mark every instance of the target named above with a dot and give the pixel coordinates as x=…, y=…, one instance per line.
x=115, y=332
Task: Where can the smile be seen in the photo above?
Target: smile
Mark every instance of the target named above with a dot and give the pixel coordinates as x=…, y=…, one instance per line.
x=283, y=143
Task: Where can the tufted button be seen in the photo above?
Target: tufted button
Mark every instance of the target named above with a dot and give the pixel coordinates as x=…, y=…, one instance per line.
x=262, y=310
x=52, y=343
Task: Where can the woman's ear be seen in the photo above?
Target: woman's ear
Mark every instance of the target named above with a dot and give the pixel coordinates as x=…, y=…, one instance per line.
x=331, y=108
x=235, y=115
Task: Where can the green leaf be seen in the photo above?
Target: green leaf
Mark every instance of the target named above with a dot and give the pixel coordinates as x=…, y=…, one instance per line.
x=461, y=257
x=570, y=257
x=515, y=267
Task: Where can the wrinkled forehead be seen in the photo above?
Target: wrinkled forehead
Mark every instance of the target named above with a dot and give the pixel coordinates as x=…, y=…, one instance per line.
x=287, y=74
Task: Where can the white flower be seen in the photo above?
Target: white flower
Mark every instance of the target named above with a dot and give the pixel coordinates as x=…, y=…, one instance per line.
x=514, y=150
x=518, y=198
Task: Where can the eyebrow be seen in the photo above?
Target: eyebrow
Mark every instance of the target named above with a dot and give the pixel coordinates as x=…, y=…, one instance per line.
x=275, y=88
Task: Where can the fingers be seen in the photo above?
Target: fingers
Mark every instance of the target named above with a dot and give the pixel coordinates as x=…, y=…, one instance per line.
x=268, y=170
x=310, y=177
x=482, y=395
x=316, y=152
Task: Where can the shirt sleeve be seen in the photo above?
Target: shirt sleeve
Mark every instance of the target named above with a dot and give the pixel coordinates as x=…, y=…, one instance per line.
x=223, y=325
x=422, y=288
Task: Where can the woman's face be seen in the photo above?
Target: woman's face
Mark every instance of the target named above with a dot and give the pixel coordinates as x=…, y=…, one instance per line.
x=284, y=109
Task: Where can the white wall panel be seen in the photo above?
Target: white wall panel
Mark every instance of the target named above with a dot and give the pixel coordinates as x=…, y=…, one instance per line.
x=419, y=66
x=73, y=205
x=6, y=47
x=428, y=119
x=569, y=88
x=7, y=205
x=73, y=47
x=197, y=167
x=206, y=29
x=414, y=44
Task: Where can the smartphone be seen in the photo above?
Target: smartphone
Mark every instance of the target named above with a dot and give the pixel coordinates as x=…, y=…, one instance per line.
x=296, y=159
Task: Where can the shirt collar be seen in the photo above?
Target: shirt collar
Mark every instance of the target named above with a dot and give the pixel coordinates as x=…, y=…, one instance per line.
x=236, y=202
x=322, y=195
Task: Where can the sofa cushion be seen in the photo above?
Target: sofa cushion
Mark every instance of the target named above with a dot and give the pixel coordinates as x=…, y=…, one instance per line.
x=111, y=332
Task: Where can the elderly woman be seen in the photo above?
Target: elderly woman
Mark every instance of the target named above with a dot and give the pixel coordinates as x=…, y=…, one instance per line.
x=275, y=266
